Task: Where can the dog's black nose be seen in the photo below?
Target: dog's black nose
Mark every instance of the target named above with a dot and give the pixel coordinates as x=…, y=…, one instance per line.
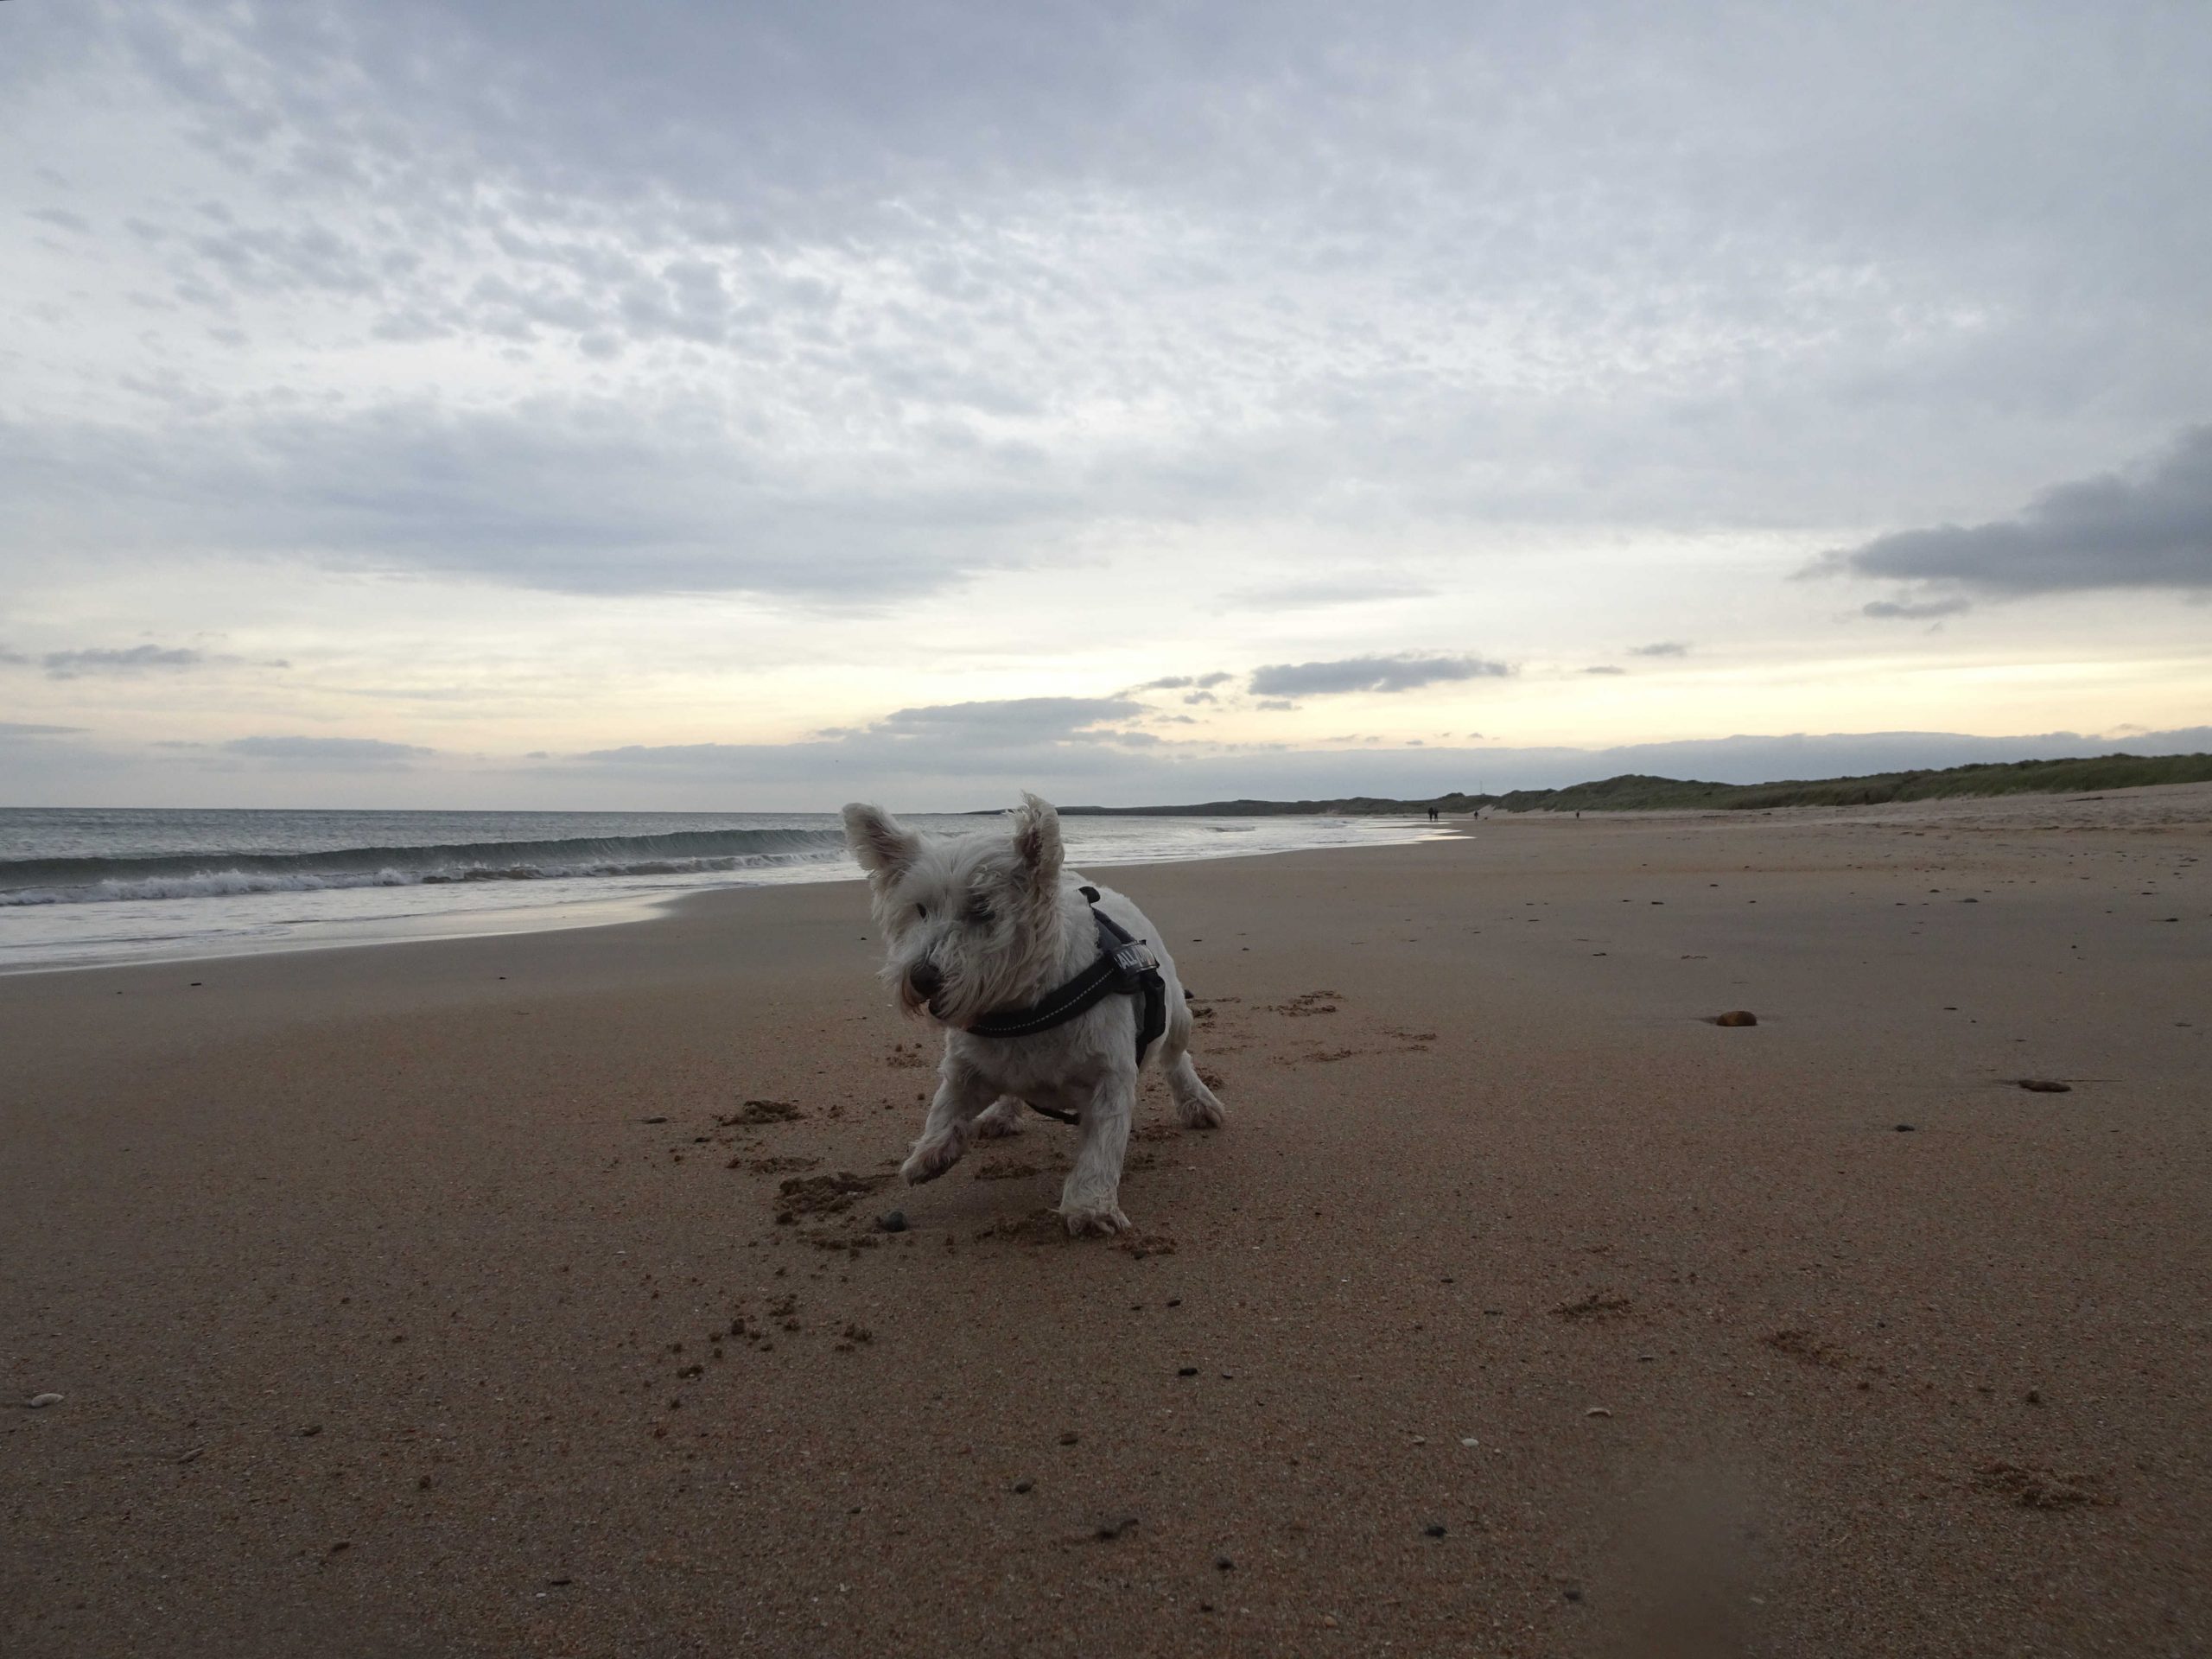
x=927, y=979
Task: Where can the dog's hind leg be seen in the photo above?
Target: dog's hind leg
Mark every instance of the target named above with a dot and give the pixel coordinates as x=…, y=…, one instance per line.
x=1004, y=1118
x=1090, y=1201
x=961, y=1095
x=1195, y=1104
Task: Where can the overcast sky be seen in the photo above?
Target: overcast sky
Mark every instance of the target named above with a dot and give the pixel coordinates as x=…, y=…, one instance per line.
x=727, y=406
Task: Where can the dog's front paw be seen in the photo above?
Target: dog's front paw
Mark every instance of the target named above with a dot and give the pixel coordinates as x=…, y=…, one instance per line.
x=1201, y=1111
x=1104, y=1219
x=1003, y=1119
x=931, y=1159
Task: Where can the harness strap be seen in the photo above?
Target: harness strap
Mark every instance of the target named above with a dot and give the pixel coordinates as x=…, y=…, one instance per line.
x=1125, y=967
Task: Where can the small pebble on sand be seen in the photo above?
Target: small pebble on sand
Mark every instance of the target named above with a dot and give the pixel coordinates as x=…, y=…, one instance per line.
x=1024, y=1486
x=1736, y=1017
x=893, y=1222
x=1598, y=1411
x=41, y=1401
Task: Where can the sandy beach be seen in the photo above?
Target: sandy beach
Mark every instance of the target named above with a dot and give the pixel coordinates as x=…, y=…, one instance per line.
x=527, y=1294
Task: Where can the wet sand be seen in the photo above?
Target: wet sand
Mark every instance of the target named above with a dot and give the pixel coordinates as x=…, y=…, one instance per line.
x=438, y=1299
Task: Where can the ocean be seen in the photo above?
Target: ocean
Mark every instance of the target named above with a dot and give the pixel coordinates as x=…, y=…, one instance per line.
x=79, y=887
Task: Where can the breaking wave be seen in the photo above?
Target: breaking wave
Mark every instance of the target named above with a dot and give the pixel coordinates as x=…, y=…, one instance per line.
x=199, y=875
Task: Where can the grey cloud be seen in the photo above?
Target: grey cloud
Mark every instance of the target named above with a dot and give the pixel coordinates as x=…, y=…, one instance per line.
x=1276, y=706
x=1400, y=673
x=330, y=754
x=1662, y=648
x=10, y=730
x=1179, y=682
x=292, y=259
x=1017, y=720
x=1201, y=697
x=60, y=218
x=1028, y=738
x=1605, y=668
x=2151, y=528
x=1924, y=608
x=137, y=659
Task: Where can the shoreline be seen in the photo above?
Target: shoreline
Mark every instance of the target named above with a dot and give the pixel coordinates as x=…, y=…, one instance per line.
x=435, y=1299
x=530, y=913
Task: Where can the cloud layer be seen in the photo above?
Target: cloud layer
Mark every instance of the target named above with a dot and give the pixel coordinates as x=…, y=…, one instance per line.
x=538, y=380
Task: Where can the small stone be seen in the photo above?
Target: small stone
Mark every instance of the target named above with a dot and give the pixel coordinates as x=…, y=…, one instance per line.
x=1736, y=1017
x=1598, y=1411
x=41, y=1401
x=1904, y=1128
x=1328, y=1621
x=1435, y=1529
x=2045, y=1086
x=1114, y=1528
x=1187, y=1370
x=1223, y=1564
x=1024, y=1486
x=1468, y=1439
x=2034, y=1396
x=311, y=1431
x=1069, y=1437
x=652, y=1119
x=894, y=1221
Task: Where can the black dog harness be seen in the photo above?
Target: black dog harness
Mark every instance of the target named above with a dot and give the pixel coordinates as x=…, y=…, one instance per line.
x=1125, y=967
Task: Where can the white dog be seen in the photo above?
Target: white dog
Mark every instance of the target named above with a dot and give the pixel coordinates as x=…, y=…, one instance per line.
x=982, y=930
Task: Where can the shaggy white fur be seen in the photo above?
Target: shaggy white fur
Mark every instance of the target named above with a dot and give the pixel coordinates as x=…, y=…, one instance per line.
x=990, y=919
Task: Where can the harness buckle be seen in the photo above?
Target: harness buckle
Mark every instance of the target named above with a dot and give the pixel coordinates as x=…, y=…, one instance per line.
x=1132, y=962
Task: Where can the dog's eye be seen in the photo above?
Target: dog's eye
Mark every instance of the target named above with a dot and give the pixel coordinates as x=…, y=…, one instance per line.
x=979, y=913
x=922, y=911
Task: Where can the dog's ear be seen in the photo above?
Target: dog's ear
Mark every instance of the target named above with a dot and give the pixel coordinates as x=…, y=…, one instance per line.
x=1037, y=843
x=884, y=846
